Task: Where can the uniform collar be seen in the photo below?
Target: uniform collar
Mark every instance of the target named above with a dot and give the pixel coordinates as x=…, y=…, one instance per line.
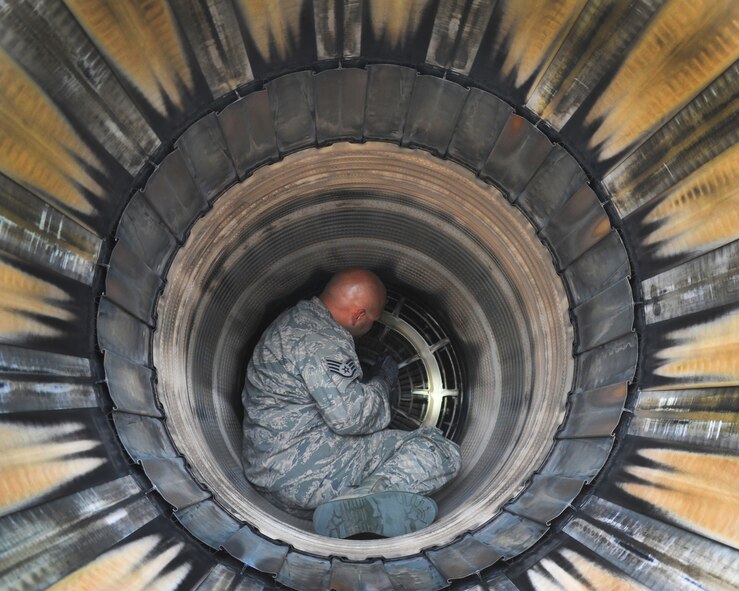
x=323, y=311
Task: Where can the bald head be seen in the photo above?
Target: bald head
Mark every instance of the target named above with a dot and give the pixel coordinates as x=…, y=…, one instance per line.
x=355, y=298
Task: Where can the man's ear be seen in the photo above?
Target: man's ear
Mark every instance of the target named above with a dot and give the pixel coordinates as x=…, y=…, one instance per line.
x=358, y=315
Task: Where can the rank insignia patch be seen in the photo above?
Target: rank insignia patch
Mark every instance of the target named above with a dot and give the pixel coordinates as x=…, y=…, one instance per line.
x=346, y=369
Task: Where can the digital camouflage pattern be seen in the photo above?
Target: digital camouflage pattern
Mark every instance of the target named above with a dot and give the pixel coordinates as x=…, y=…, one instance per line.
x=313, y=429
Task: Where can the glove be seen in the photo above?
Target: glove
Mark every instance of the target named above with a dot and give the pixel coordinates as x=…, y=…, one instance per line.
x=387, y=369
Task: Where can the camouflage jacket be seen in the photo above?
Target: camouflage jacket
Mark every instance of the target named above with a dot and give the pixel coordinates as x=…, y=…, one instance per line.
x=304, y=399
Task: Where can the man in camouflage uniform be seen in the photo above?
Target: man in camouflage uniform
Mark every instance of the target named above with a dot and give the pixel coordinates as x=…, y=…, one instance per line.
x=315, y=433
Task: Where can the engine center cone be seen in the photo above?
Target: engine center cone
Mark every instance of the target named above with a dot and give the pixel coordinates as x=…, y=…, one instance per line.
x=435, y=234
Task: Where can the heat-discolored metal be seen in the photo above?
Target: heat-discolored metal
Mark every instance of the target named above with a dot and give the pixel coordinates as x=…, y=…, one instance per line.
x=432, y=95
x=91, y=90
x=206, y=156
x=340, y=99
x=249, y=132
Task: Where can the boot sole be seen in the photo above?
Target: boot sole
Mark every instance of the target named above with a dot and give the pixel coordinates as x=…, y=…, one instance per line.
x=388, y=514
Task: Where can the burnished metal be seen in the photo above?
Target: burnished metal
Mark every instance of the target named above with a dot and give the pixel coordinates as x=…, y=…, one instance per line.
x=131, y=385
x=458, y=31
x=35, y=231
x=516, y=156
x=555, y=181
x=607, y=364
x=595, y=413
x=88, y=539
x=208, y=522
x=144, y=437
x=34, y=394
x=498, y=581
x=249, y=132
x=304, y=572
x=17, y=360
x=348, y=576
x=463, y=558
x=206, y=156
x=26, y=530
x=576, y=226
x=509, y=534
x=340, y=99
x=415, y=573
x=172, y=193
x=121, y=333
x=256, y=551
x=389, y=90
x=641, y=93
x=706, y=282
x=704, y=128
x=145, y=235
x=701, y=417
x=131, y=284
x=598, y=268
x=433, y=112
x=176, y=485
x=545, y=497
x=292, y=102
x=219, y=578
x=715, y=562
x=213, y=34
x=605, y=316
x=651, y=574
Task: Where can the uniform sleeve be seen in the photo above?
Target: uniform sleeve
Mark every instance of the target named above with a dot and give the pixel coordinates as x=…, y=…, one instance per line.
x=348, y=406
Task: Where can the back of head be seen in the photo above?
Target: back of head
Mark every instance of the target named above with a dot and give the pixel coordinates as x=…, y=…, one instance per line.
x=355, y=297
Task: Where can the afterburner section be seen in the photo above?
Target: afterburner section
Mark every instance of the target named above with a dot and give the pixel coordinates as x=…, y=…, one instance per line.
x=430, y=229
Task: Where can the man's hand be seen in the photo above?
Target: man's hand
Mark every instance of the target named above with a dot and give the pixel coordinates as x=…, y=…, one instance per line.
x=387, y=369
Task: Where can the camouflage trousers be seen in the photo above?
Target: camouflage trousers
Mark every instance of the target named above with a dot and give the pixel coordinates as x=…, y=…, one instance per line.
x=420, y=461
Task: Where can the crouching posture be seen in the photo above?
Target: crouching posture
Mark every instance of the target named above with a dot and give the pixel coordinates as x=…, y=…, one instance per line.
x=315, y=434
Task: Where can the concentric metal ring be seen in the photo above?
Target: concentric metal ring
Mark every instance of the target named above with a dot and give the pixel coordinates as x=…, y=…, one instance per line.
x=387, y=208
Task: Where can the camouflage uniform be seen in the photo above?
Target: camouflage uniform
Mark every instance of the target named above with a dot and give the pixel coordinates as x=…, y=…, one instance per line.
x=312, y=429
